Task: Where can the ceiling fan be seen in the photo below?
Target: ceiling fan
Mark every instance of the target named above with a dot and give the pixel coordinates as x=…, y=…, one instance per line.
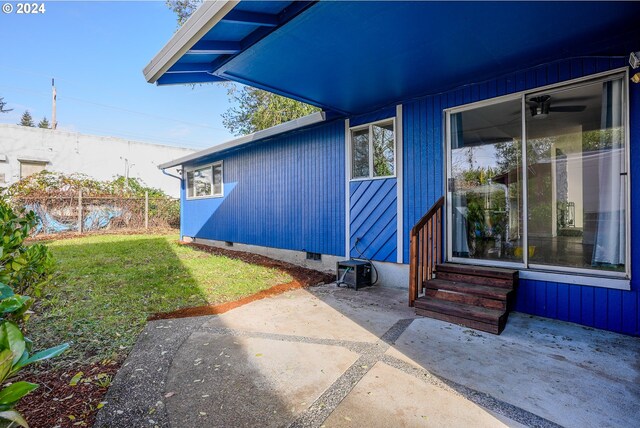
x=540, y=107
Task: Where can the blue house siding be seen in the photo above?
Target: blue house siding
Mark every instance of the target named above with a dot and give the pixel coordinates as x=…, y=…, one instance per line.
x=286, y=192
x=423, y=177
x=373, y=219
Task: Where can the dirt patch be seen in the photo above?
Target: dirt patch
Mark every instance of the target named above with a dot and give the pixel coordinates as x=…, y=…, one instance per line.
x=302, y=277
x=56, y=403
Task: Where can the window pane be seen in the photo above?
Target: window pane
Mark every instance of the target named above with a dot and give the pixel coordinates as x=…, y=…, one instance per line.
x=383, y=150
x=202, y=181
x=360, y=153
x=486, y=182
x=577, y=195
x=190, y=184
x=217, y=179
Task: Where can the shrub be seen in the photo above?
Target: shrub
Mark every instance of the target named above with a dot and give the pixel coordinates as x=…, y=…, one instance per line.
x=26, y=269
x=22, y=269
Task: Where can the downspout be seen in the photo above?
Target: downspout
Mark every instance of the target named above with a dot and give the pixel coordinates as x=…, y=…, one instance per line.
x=164, y=171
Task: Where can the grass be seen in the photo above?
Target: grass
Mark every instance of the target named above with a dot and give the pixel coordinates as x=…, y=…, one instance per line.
x=106, y=287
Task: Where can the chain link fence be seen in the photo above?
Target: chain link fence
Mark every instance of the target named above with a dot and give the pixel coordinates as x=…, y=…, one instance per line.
x=63, y=214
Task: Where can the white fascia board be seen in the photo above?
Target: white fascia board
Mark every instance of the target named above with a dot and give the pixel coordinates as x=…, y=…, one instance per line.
x=199, y=24
x=292, y=125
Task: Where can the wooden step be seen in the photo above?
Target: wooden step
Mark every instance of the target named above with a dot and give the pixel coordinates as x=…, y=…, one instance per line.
x=487, y=272
x=460, y=310
x=497, y=293
x=489, y=320
x=494, y=328
x=480, y=280
x=468, y=299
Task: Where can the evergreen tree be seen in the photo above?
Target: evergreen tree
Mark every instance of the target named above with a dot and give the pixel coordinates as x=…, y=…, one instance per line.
x=255, y=109
x=44, y=123
x=3, y=105
x=26, y=119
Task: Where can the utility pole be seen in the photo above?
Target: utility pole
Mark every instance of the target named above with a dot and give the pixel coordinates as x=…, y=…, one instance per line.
x=54, y=123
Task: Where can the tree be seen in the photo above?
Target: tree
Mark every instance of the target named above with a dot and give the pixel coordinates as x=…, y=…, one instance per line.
x=254, y=109
x=257, y=109
x=3, y=105
x=44, y=123
x=183, y=8
x=26, y=119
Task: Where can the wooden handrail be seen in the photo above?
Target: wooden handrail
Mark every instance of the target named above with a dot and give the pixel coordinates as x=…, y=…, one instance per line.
x=425, y=251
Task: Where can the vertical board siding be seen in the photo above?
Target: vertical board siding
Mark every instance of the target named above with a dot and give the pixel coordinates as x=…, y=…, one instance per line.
x=423, y=167
x=286, y=192
x=373, y=219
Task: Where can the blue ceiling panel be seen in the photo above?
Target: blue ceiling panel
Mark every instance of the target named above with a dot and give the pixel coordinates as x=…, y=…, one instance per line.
x=273, y=7
x=354, y=57
x=227, y=31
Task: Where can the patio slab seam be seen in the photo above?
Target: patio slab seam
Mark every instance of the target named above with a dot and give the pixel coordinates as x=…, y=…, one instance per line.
x=316, y=414
x=483, y=399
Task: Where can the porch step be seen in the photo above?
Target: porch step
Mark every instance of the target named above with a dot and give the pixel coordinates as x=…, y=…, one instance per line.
x=494, y=277
x=474, y=296
x=498, y=293
x=471, y=294
x=489, y=272
x=489, y=320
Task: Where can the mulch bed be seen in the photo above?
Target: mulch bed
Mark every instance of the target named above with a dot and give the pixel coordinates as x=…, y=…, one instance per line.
x=302, y=277
x=56, y=403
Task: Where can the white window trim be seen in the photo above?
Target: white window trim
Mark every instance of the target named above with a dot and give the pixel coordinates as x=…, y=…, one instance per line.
x=592, y=277
x=370, y=126
x=195, y=168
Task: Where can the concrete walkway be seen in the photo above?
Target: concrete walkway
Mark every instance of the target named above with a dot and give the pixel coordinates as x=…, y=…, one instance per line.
x=339, y=358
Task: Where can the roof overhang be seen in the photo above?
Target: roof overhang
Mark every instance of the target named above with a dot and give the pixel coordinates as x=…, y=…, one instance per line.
x=292, y=125
x=353, y=57
x=215, y=32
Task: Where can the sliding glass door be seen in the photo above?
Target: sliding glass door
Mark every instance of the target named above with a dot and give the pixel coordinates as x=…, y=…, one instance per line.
x=576, y=167
x=485, y=183
x=569, y=209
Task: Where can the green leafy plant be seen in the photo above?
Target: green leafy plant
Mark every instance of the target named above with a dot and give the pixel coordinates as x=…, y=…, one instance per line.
x=23, y=269
x=15, y=352
x=26, y=269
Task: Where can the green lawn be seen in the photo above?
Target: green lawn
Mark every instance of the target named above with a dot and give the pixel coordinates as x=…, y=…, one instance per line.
x=106, y=286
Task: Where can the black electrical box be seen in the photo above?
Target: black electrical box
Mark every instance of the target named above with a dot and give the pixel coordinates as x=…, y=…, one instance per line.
x=353, y=273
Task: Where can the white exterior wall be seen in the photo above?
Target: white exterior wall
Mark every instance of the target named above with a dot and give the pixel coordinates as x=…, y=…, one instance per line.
x=101, y=158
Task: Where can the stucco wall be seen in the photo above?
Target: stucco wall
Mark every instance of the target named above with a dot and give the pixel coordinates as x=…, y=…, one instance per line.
x=99, y=157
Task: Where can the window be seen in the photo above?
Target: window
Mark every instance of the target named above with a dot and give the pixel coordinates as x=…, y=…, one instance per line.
x=541, y=179
x=373, y=149
x=28, y=168
x=206, y=181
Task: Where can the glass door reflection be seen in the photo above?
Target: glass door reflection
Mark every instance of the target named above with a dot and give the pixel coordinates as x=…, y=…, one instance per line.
x=485, y=183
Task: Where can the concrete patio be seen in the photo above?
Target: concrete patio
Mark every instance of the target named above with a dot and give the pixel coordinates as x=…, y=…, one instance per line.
x=338, y=358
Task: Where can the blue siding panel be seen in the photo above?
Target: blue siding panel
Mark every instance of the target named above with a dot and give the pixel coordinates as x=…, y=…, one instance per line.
x=286, y=192
x=373, y=219
x=423, y=169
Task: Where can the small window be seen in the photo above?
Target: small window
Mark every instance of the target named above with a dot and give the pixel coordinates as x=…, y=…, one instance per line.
x=205, y=181
x=28, y=168
x=373, y=151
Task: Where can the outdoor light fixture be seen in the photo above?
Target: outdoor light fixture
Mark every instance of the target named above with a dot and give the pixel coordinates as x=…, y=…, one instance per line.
x=634, y=59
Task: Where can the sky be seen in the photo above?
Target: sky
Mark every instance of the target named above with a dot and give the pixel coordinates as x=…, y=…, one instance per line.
x=96, y=52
